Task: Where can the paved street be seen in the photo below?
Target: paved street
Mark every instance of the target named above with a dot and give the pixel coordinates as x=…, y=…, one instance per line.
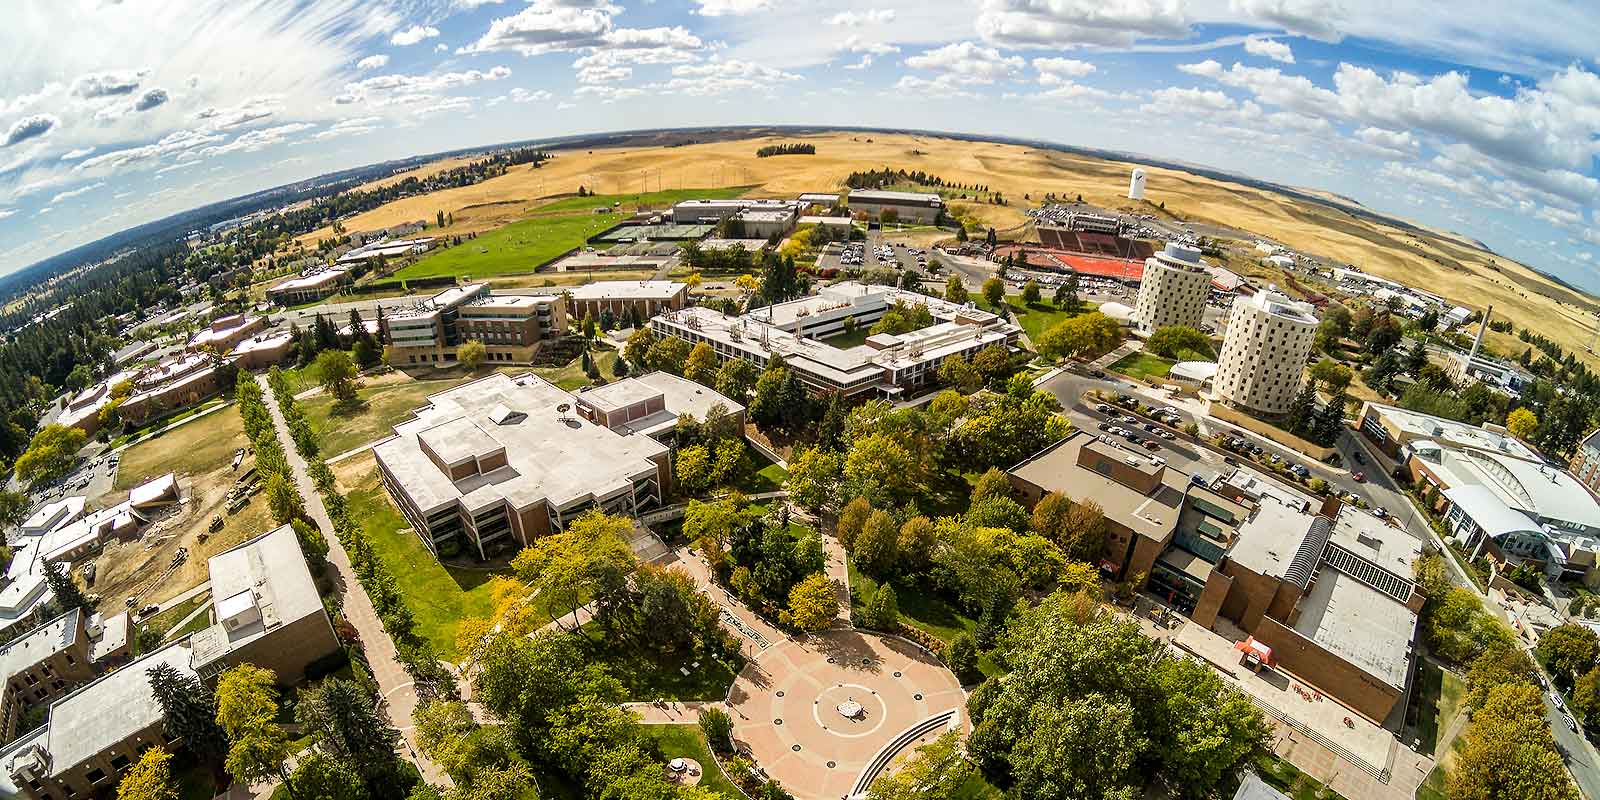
x=394, y=683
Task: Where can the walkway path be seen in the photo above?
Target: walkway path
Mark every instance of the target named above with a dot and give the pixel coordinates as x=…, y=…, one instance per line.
x=394, y=683
x=672, y=712
x=1124, y=350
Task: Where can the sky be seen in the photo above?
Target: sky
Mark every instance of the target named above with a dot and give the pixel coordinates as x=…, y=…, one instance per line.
x=1471, y=115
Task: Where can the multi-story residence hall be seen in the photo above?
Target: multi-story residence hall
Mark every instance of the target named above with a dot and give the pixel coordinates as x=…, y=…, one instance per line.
x=1327, y=590
x=511, y=327
x=887, y=365
x=498, y=462
x=271, y=616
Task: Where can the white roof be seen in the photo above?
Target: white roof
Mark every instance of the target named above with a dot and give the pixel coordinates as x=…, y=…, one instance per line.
x=1120, y=312
x=154, y=490
x=1491, y=514
x=1427, y=426
x=269, y=572
x=1197, y=371
x=311, y=280
x=627, y=290
x=1359, y=624
x=109, y=710
x=53, y=515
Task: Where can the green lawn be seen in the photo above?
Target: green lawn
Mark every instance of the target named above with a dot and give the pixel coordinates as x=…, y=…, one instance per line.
x=1439, y=696
x=767, y=476
x=385, y=406
x=439, y=597
x=851, y=339
x=515, y=248
x=658, y=677
x=571, y=377
x=1145, y=366
x=1036, y=318
x=1436, y=785
x=1286, y=778
x=194, y=448
x=922, y=611
x=166, y=422
x=686, y=741
x=164, y=621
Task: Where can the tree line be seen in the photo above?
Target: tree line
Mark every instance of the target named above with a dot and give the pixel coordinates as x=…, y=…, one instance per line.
x=792, y=149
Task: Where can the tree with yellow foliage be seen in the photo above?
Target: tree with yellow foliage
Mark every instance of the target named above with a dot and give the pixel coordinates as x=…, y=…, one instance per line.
x=150, y=778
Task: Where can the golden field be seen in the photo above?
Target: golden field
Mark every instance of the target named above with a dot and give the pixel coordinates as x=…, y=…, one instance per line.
x=1440, y=262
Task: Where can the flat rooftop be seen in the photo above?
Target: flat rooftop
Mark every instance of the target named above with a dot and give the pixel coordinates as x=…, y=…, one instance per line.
x=680, y=396
x=1427, y=426
x=884, y=196
x=1153, y=515
x=1359, y=624
x=272, y=569
x=311, y=280
x=627, y=290
x=39, y=644
x=1270, y=538
x=109, y=710
x=553, y=455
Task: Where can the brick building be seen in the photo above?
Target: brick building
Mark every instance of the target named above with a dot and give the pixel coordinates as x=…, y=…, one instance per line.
x=511, y=327
x=644, y=298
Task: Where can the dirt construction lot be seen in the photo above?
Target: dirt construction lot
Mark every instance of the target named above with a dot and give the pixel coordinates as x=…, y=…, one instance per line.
x=785, y=705
x=201, y=453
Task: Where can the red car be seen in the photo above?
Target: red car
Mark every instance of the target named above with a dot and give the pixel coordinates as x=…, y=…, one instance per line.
x=1359, y=476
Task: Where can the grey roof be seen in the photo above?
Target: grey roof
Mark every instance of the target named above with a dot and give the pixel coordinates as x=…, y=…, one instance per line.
x=109, y=710
x=1057, y=470
x=1360, y=624
x=1253, y=788
x=552, y=455
x=1271, y=538
x=39, y=644
x=270, y=568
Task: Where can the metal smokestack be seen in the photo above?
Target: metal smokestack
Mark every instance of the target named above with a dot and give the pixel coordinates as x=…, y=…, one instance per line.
x=1477, y=341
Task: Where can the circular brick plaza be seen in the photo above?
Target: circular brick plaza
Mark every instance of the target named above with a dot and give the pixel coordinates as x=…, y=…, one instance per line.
x=790, y=706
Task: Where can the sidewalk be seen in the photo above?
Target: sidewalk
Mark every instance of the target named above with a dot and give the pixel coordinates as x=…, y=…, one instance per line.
x=394, y=683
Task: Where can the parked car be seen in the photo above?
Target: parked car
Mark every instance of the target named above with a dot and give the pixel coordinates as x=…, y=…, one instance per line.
x=1168, y=435
x=1105, y=426
x=1103, y=408
x=1151, y=444
x=1198, y=480
x=1360, y=458
x=1359, y=476
x=1098, y=373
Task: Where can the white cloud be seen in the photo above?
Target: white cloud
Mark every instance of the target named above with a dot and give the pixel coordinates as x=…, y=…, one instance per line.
x=855, y=44
x=1269, y=48
x=719, y=77
x=253, y=141
x=1059, y=71
x=7, y=212
x=1314, y=19
x=151, y=99
x=546, y=26
x=173, y=143
x=68, y=195
x=1071, y=23
x=872, y=16
x=253, y=109
x=350, y=127
x=731, y=8
x=866, y=61
x=373, y=62
x=379, y=87
x=1398, y=143
x=107, y=84
x=971, y=61
x=413, y=35
x=946, y=85
x=73, y=155
x=29, y=128
x=521, y=95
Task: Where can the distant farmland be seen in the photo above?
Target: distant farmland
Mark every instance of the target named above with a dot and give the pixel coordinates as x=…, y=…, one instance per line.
x=552, y=230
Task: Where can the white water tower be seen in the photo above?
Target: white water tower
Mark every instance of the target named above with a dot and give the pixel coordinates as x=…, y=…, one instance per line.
x=1136, y=185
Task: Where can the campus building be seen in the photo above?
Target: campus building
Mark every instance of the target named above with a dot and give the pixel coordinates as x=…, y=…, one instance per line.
x=511, y=327
x=711, y=212
x=1172, y=291
x=651, y=404
x=1392, y=428
x=310, y=286
x=1585, y=463
x=152, y=391
x=93, y=733
x=886, y=365
x=1263, y=357
x=496, y=463
x=262, y=350
x=644, y=298
x=1324, y=591
x=225, y=332
x=923, y=208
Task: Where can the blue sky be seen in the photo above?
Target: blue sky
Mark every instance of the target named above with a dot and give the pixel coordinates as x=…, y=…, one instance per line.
x=1468, y=115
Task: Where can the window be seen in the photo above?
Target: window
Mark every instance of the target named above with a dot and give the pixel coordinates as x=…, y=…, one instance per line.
x=95, y=776
x=119, y=763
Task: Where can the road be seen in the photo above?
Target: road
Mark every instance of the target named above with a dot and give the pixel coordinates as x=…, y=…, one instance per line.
x=1575, y=750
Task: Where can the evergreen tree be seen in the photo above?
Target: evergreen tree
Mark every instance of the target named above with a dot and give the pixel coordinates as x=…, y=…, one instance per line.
x=830, y=433
x=348, y=726
x=1331, y=421
x=189, y=712
x=1416, y=359
x=65, y=589
x=1304, y=408
x=381, y=334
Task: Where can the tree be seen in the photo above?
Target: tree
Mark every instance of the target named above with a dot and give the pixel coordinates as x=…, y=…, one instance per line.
x=589, y=560
x=13, y=508
x=717, y=727
x=1509, y=753
x=323, y=777
x=955, y=290
x=669, y=354
x=247, y=707
x=813, y=479
x=1522, y=424
x=1180, y=342
x=1332, y=375
x=883, y=613
x=918, y=538
x=284, y=499
x=1030, y=292
x=150, y=778
x=348, y=725
x=1569, y=651
x=880, y=468
x=637, y=349
x=813, y=603
x=65, y=590
x=994, y=292
x=189, y=712
x=875, y=547
x=701, y=366
x=1586, y=697
x=938, y=770
x=992, y=483
x=338, y=375
x=471, y=354
x=50, y=454
x=962, y=657
x=852, y=518
x=735, y=378
x=958, y=373
x=1503, y=661
x=1079, y=336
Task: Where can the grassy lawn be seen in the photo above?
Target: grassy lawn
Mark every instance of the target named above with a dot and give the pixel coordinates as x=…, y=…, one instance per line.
x=303, y=378
x=204, y=445
x=921, y=611
x=386, y=405
x=1144, y=365
x=571, y=377
x=767, y=476
x=1036, y=318
x=1286, y=778
x=439, y=597
x=518, y=247
x=1436, y=785
x=851, y=339
x=658, y=677
x=166, y=422
x=1439, y=696
x=163, y=622
x=686, y=741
